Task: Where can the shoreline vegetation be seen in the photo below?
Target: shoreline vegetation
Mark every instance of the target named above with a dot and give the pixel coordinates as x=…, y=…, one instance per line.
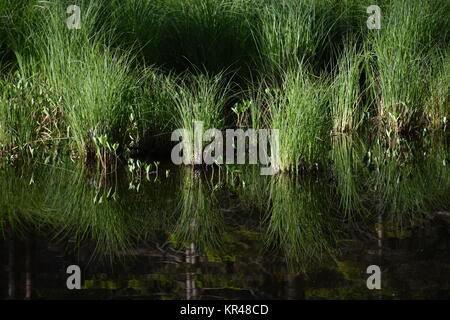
x=86, y=117
x=137, y=70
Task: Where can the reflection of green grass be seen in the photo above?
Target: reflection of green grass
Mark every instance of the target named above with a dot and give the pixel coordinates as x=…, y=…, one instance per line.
x=300, y=218
x=76, y=206
x=299, y=222
x=347, y=155
x=199, y=221
x=397, y=188
x=404, y=185
x=291, y=31
x=202, y=34
x=402, y=181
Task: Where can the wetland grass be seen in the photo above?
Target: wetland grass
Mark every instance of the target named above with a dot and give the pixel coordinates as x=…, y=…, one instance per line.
x=145, y=68
x=403, y=51
x=300, y=111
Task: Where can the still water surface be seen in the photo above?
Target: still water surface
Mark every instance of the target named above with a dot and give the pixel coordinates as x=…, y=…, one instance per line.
x=179, y=233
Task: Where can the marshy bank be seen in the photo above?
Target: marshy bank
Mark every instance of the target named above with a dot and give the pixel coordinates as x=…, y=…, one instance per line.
x=86, y=117
x=137, y=70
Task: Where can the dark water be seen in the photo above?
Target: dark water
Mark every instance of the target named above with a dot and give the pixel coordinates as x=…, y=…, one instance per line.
x=180, y=233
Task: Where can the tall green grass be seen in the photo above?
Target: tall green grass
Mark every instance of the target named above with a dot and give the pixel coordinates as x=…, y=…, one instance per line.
x=402, y=53
x=199, y=98
x=289, y=32
x=347, y=107
x=437, y=106
x=90, y=79
x=12, y=17
x=347, y=153
x=3, y=26
x=153, y=107
x=199, y=220
x=206, y=35
x=299, y=109
x=307, y=68
x=31, y=120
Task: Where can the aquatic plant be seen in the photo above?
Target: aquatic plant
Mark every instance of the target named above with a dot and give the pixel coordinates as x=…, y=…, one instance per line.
x=402, y=50
x=299, y=109
x=299, y=222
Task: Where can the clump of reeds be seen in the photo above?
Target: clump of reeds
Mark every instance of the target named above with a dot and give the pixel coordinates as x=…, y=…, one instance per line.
x=288, y=32
x=206, y=35
x=199, y=98
x=79, y=66
x=199, y=221
x=29, y=114
x=299, y=109
x=347, y=107
x=437, y=106
x=402, y=53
